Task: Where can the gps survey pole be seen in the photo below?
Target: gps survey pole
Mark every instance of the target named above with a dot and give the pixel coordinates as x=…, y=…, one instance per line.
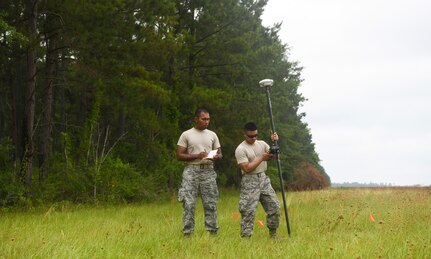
x=267, y=83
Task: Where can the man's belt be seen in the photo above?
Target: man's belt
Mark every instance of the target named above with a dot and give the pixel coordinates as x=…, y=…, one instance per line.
x=202, y=166
x=261, y=174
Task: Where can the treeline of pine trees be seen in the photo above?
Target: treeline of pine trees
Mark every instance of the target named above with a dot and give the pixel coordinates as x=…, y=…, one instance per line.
x=94, y=95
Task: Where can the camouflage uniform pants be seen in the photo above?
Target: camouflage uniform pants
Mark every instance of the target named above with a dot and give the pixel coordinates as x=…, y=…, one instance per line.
x=197, y=180
x=256, y=188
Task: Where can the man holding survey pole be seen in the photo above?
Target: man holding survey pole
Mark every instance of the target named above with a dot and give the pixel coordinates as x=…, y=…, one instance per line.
x=199, y=147
x=251, y=156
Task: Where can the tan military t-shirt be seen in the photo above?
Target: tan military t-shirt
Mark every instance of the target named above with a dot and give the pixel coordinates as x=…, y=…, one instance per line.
x=197, y=141
x=248, y=153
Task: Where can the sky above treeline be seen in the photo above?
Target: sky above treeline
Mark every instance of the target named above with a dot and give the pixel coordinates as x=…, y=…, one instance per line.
x=367, y=78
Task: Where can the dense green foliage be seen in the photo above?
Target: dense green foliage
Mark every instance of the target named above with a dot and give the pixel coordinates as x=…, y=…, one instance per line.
x=94, y=94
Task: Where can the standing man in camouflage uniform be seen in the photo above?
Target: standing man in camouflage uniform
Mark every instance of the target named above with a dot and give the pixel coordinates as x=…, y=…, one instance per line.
x=193, y=147
x=251, y=156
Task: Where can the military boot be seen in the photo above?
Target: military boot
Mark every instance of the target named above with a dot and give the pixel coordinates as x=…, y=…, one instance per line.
x=273, y=233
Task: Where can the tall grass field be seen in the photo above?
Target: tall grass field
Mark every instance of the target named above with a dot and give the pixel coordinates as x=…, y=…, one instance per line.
x=332, y=223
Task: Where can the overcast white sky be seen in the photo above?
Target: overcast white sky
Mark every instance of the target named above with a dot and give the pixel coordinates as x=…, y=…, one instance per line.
x=367, y=78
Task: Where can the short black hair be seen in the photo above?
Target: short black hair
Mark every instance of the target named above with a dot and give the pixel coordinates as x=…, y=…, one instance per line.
x=200, y=110
x=250, y=126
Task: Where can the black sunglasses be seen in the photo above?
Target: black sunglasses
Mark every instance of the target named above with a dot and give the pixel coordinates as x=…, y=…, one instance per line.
x=251, y=136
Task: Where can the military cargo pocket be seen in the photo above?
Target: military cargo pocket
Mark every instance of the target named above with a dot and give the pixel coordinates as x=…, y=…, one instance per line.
x=181, y=195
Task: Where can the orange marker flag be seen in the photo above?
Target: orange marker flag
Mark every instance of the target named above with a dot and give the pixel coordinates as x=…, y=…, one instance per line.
x=235, y=215
x=372, y=218
x=260, y=223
